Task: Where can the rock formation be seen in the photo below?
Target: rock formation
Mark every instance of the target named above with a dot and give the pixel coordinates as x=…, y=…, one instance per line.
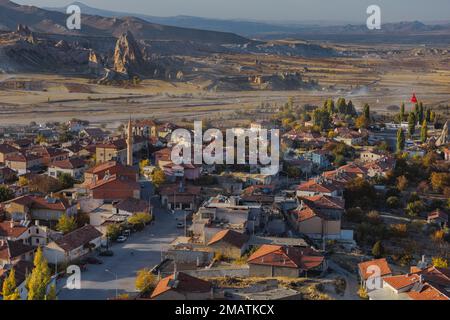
x=443, y=138
x=128, y=58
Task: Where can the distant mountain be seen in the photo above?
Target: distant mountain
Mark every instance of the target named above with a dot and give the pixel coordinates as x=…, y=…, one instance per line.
x=414, y=31
x=48, y=21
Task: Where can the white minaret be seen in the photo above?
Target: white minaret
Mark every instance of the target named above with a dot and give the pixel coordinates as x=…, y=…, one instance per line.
x=130, y=144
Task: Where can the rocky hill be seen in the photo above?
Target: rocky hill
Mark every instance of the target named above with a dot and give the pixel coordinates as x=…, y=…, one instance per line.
x=46, y=21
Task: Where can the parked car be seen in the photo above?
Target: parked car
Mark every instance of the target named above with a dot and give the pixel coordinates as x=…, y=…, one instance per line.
x=121, y=239
x=106, y=253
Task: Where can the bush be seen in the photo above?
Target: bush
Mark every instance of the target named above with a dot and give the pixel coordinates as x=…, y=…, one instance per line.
x=393, y=202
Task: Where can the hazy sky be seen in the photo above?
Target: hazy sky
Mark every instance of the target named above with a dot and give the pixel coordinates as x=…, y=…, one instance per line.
x=297, y=10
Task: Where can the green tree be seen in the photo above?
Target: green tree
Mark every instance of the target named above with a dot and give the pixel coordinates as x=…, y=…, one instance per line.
x=400, y=140
x=411, y=124
x=6, y=193
x=145, y=280
x=402, y=112
x=66, y=224
x=39, y=278
x=66, y=180
x=322, y=119
x=377, y=249
x=421, y=114
x=366, y=111
x=424, y=131
x=329, y=104
x=428, y=115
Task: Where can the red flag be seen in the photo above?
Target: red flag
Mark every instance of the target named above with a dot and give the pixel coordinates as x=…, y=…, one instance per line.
x=413, y=98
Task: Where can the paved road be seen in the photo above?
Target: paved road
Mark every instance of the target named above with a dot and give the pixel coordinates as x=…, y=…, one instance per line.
x=141, y=250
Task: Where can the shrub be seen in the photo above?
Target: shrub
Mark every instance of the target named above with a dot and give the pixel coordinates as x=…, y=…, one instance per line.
x=393, y=202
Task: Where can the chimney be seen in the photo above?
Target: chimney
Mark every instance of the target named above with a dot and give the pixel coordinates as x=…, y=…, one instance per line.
x=11, y=224
x=175, y=272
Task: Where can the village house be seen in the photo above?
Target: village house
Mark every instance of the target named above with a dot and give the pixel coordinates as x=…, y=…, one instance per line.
x=114, y=187
x=180, y=197
x=372, y=268
x=7, y=175
x=145, y=128
x=12, y=252
x=349, y=137
x=320, y=158
x=115, y=150
x=49, y=154
x=23, y=163
x=6, y=150
x=46, y=209
x=380, y=167
x=371, y=155
x=31, y=234
x=181, y=286
x=183, y=171
x=74, y=167
x=96, y=134
x=229, y=243
x=108, y=169
x=131, y=206
x=318, y=217
x=320, y=186
x=281, y=261
x=73, y=245
x=428, y=283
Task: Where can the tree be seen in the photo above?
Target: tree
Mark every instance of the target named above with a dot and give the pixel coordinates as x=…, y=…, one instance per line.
x=361, y=122
x=439, y=262
x=158, y=177
x=329, y=104
x=421, y=114
x=366, y=111
x=293, y=172
x=9, y=288
x=411, y=124
x=6, y=193
x=66, y=224
x=66, y=180
x=424, y=131
x=113, y=231
x=377, y=249
x=400, y=140
x=140, y=219
x=322, y=119
x=440, y=180
x=402, y=112
x=39, y=278
x=414, y=208
x=145, y=280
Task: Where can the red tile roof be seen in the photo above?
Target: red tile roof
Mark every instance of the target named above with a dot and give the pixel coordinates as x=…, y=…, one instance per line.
x=183, y=283
x=73, y=163
x=231, y=237
x=78, y=238
x=291, y=257
x=13, y=231
x=380, y=263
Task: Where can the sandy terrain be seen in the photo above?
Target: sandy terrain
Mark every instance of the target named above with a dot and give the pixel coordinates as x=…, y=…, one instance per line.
x=376, y=80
